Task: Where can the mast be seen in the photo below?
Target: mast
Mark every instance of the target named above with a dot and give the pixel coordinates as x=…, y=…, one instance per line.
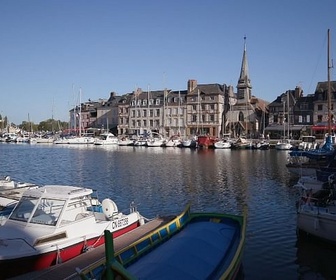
x=199, y=110
x=329, y=87
x=80, y=113
x=179, y=114
x=288, y=118
x=148, y=125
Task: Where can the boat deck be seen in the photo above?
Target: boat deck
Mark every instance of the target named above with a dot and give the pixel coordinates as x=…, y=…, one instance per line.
x=67, y=270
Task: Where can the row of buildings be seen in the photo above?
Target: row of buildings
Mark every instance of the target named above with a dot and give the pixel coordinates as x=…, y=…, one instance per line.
x=214, y=109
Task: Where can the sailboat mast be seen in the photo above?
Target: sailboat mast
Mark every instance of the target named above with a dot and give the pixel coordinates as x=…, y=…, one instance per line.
x=80, y=112
x=288, y=118
x=329, y=87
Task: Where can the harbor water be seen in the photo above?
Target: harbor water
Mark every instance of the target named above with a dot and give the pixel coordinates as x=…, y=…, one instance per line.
x=162, y=181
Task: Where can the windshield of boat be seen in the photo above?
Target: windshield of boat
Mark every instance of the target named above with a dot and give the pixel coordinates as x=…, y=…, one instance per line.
x=46, y=212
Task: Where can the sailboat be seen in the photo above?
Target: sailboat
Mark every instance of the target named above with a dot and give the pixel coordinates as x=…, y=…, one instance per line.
x=316, y=213
x=285, y=144
x=82, y=138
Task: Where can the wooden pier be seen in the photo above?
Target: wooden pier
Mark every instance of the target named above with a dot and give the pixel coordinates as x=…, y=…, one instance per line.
x=67, y=270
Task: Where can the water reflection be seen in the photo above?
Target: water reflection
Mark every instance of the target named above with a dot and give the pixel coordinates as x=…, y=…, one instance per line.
x=316, y=259
x=162, y=181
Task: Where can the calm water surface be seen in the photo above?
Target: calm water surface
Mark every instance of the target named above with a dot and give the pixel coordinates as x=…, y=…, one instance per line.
x=163, y=180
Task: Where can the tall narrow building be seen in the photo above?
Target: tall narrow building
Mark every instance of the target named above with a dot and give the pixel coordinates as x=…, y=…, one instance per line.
x=244, y=83
x=245, y=114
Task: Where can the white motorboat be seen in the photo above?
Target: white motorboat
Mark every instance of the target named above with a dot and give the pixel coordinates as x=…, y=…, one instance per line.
x=222, y=144
x=106, y=139
x=10, y=193
x=283, y=145
x=42, y=139
x=190, y=142
x=55, y=223
x=155, y=140
x=174, y=141
x=14, y=189
x=86, y=139
x=125, y=141
x=316, y=215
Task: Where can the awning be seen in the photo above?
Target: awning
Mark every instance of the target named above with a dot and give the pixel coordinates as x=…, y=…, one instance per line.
x=323, y=127
x=280, y=127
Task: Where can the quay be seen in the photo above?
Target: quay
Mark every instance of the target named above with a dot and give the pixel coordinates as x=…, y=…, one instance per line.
x=67, y=270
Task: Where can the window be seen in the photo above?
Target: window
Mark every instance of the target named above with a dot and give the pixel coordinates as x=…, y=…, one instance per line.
x=144, y=102
x=194, y=107
x=24, y=209
x=157, y=102
x=319, y=118
x=194, y=118
x=319, y=107
x=300, y=119
x=241, y=117
x=308, y=118
x=212, y=118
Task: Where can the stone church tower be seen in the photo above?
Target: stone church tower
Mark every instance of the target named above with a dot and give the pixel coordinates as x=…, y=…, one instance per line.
x=244, y=83
x=244, y=117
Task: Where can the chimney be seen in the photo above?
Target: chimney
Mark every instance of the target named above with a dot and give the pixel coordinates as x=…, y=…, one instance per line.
x=192, y=84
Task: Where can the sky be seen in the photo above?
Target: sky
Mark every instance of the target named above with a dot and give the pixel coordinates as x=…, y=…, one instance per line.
x=52, y=50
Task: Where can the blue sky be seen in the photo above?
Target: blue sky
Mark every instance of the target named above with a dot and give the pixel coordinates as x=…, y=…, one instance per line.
x=49, y=50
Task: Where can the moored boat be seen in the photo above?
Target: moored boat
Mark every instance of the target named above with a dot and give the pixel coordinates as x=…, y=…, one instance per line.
x=54, y=223
x=307, y=162
x=241, y=143
x=192, y=246
x=190, y=142
x=283, y=145
x=316, y=215
x=206, y=141
x=106, y=139
x=125, y=141
x=10, y=193
x=222, y=144
x=173, y=141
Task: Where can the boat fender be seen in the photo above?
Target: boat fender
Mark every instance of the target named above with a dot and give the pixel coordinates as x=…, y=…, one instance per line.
x=141, y=220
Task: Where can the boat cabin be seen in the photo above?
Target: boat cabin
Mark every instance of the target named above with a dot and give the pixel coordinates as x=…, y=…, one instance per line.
x=54, y=205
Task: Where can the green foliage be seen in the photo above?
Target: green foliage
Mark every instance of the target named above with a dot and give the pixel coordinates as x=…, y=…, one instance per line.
x=47, y=125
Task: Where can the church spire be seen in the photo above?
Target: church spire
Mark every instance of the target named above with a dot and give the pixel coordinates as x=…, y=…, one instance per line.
x=244, y=84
